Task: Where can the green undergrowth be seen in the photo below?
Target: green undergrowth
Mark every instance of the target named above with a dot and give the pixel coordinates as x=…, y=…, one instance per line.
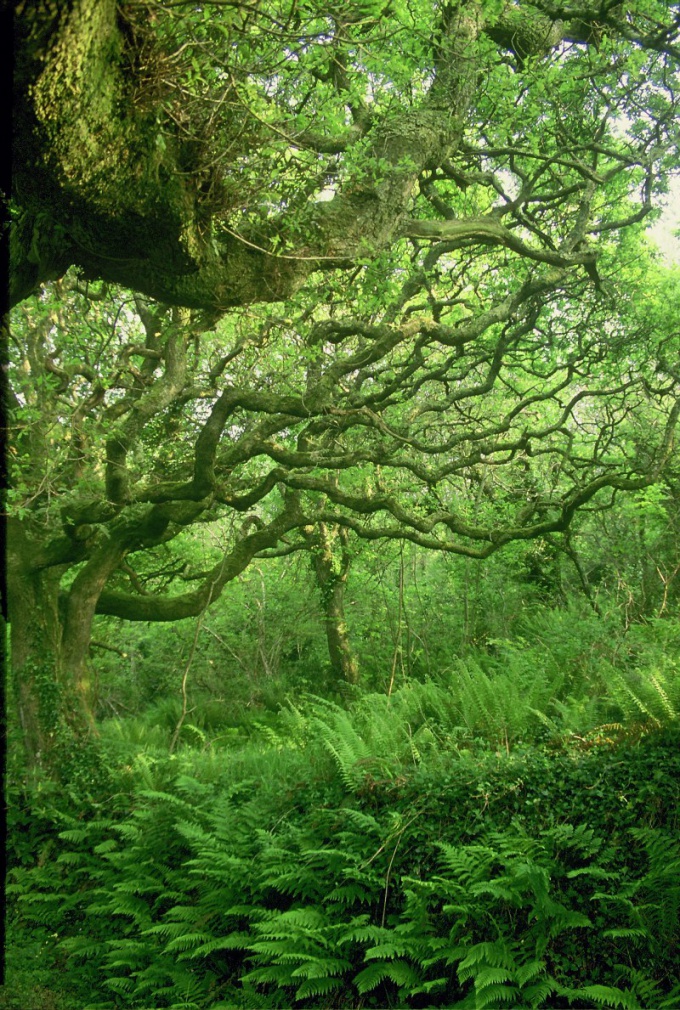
x=570, y=674
x=430, y=849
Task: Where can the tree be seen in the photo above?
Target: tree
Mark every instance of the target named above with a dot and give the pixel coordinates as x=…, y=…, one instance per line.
x=179, y=149
x=331, y=559
x=475, y=383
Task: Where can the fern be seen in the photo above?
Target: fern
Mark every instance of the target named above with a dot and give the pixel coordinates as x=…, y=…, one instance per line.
x=669, y=709
x=495, y=995
x=352, y=754
x=284, y=879
x=652, y=693
x=318, y=987
x=371, y=976
x=187, y=943
x=469, y=863
x=482, y=956
x=399, y=972
x=536, y=995
x=650, y=903
x=607, y=996
x=295, y=948
x=659, y=889
x=501, y=705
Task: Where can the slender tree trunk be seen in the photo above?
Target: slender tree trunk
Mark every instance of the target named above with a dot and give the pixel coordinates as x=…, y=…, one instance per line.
x=568, y=548
x=331, y=563
x=343, y=660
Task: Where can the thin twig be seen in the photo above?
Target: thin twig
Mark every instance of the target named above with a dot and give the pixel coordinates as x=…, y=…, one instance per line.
x=185, y=675
x=281, y=256
x=389, y=867
x=398, y=651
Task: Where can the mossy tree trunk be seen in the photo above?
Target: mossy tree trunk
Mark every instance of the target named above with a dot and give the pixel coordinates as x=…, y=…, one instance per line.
x=331, y=563
x=49, y=664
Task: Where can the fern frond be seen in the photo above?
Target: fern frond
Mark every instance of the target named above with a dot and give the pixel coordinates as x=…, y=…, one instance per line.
x=120, y=985
x=195, y=833
x=75, y=834
x=646, y=989
x=318, y=967
x=279, y=974
x=629, y=701
x=525, y=972
x=537, y=994
x=492, y=995
x=186, y=942
x=486, y=977
x=169, y=799
x=392, y=949
x=108, y=845
x=83, y=949
x=235, y=941
x=608, y=996
x=303, y=918
x=632, y=933
x=318, y=987
x=665, y=701
x=672, y=1000
x=360, y=930
x=399, y=972
x=72, y=859
x=403, y=974
x=581, y=838
x=468, y=863
x=494, y=954
x=350, y=894
x=596, y=872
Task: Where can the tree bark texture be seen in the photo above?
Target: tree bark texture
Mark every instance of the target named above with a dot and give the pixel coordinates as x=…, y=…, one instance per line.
x=49, y=669
x=331, y=562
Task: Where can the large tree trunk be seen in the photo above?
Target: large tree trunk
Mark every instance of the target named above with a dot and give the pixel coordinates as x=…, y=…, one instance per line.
x=49, y=675
x=52, y=696
x=331, y=567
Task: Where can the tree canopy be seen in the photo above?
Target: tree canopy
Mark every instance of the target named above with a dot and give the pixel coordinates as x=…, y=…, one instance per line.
x=180, y=149
x=376, y=267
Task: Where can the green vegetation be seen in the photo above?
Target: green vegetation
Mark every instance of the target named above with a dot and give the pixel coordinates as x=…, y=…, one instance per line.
x=503, y=832
x=343, y=520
